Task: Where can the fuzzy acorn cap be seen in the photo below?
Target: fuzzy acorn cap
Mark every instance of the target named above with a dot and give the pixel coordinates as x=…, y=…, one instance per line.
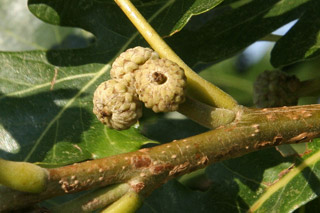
x=161, y=84
x=116, y=105
x=126, y=64
x=275, y=88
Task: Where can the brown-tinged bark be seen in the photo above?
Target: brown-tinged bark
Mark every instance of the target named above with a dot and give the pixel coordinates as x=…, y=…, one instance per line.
x=146, y=169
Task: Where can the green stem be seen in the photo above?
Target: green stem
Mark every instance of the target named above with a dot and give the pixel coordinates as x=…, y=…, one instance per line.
x=309, y=88
x=94, y=200
x=198, y=87
x=196, y=180
x=22, y=176
x=206, y=115
x=129, y=203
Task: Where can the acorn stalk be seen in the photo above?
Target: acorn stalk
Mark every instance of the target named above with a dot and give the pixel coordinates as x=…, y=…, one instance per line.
x=206, y=115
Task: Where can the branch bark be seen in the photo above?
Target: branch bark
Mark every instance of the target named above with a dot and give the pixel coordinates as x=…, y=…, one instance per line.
x=146, y=169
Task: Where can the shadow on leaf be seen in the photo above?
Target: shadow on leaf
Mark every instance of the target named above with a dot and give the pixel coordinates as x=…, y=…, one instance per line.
x=97, y=17
x=227, y=30
x=36, y=124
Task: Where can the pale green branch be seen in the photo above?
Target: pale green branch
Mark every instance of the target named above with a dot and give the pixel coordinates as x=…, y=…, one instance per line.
x=95, y=200
x=146, y=169
x=22, y=176
x=129, y=203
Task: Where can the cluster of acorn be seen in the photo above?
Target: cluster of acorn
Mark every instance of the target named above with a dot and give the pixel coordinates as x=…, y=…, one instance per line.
x=138, y=75
x=276, y=88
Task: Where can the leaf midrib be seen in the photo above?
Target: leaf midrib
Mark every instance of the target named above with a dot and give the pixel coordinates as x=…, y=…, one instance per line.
x=40, y=86
x=284, y=181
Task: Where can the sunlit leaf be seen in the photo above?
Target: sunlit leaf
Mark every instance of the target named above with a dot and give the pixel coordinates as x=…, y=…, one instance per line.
x=198, y=7
x=20, y=30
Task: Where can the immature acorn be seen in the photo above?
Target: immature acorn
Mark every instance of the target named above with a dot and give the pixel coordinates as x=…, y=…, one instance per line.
x=276, y=88
x=127, y=62
x=116, y=105
x=161, y=84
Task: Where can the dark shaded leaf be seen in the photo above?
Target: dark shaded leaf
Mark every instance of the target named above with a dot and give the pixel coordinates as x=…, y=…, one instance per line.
x=198, y=7
x=302, y=42
x=231, y=27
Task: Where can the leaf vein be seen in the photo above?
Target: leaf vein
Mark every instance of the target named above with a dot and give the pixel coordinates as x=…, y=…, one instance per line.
x=48, y=84
x=243, y=177
x=284, y=181
x=37, y=142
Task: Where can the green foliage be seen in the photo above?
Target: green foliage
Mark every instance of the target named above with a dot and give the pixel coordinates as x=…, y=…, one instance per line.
x=46, y=95
x=191, y=9
x=229, y=28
